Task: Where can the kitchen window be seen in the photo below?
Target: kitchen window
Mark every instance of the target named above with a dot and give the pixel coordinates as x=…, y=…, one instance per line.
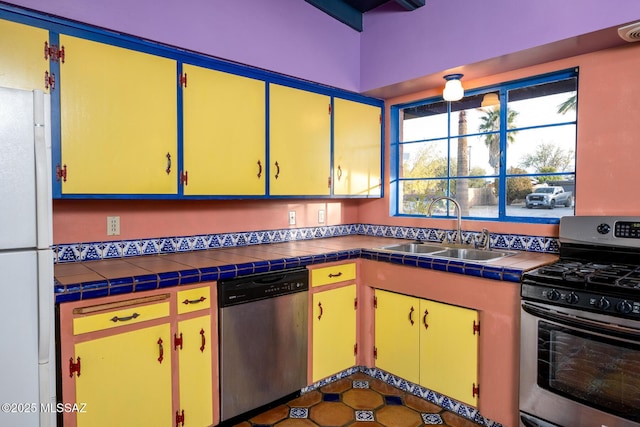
x=504, y=152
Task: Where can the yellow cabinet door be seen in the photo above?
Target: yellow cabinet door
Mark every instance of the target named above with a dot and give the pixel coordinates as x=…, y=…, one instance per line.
x=357, y=149
x=194, y=370
x=397, y=334
x=118, y=120
x=449, y=350
x=22, y=61
x=224, y=133
x=126, y=378
x=334, y=331
x=299, y=142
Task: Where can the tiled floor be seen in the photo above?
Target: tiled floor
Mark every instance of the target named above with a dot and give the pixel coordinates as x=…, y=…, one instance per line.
x=357, y=400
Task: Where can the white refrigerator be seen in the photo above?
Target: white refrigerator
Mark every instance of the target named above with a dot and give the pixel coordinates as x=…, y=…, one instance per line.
x=27, y=344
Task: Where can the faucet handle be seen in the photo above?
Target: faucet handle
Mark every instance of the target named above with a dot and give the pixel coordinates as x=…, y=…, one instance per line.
x=482, y=240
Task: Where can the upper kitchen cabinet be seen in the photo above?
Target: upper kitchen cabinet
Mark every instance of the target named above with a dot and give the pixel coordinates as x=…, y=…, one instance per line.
x=357, y=155
x=118, y=112
x=23, y=63
x=224, y=119
x=299, y=142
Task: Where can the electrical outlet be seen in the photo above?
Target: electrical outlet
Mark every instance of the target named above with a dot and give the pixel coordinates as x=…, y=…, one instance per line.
x=321, y=216
x=113, y=226
x=292, y=217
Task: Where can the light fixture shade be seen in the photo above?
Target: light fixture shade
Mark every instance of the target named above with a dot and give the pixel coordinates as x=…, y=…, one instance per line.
x=490, y=99
x=453, y=90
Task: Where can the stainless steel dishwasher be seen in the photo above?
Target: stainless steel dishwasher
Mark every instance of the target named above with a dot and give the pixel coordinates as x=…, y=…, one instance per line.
x=263, y=322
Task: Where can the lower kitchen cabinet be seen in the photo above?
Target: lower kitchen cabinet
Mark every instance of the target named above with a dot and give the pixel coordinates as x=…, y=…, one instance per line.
x=429, y=343
x=143, y=360
x=334, y=331
x=126, y=376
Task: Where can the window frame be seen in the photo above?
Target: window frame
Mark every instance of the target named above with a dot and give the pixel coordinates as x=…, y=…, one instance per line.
x=395, y=181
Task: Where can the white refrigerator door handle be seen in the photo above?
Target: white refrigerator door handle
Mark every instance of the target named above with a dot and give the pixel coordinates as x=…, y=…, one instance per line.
x=42, y=147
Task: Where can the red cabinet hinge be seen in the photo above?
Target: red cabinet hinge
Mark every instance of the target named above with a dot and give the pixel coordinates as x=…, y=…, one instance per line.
x=375, y=301
x=49, y=80
x=61, y=173
x=183, y=80
x=475, y=390
x=355, y=303
x=329, y=182
x=380, y=118
x=74, y=367
x=330, y=109
x=355, y=349
x=184, y=178
x=53, y=52
x=375, y=352
x=177, y=341
x=476, y=327
x=180, y=418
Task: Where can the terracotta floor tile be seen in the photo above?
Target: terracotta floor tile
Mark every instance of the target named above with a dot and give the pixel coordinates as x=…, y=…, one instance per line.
x=296, y=422
x=362, y=399
x=366, y=424
x=398, y=416
x=337, y=386
x=421, y=405
x=272, y=416
x=384, y=388
x=331, y=414
x=307, y=399
x=454, y=420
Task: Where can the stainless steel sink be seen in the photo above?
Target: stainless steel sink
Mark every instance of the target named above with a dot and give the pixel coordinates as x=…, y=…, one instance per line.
x=413, y=248
x=441, y=251
x=471, y=254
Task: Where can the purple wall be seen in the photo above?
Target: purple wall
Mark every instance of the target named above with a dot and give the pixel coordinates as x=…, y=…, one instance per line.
x=286, y=36
x=444, y=34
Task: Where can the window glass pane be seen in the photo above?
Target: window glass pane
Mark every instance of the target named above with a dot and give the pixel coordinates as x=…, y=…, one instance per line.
x=478, y=155
x=424, y=159
x=541, y=196
x=477, y=197
x=544, y=104
x=426, y=121
x=417, y=194
x=469, y=117
x=542, y=150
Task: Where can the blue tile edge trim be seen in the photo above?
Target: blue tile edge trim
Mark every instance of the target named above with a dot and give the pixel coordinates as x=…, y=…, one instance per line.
x=93, y=251
x=434, y=397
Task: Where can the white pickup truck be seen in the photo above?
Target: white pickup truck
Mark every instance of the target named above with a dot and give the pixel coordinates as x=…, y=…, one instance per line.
x=549, y=197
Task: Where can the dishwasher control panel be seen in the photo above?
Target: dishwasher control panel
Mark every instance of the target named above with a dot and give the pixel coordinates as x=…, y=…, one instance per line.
x=260, y=286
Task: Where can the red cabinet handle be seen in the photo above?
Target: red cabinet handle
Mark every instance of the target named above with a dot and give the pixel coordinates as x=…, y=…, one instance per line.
x=411, y=315
x=338, y=274
x=259, y=169
x=202, y=340
x=168, y=170
x=161, y=350
x=321, y=311
x=339, y=172
x=424, y=319
x=277, y=170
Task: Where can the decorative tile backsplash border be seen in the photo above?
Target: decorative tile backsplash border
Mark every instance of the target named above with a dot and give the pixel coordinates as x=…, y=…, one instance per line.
x=93, y=251
x=434, y=397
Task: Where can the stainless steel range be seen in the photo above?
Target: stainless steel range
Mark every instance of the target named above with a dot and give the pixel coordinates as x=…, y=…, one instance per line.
x=580, y=328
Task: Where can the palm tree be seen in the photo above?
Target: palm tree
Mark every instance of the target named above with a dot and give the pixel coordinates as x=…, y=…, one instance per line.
x=490, y=122
x=568, y=105
x=462, y=185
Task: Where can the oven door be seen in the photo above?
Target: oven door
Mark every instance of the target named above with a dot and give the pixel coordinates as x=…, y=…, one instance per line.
x=578, y=369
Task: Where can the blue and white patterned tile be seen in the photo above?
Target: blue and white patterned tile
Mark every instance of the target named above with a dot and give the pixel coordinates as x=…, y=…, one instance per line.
x=68, y=253
x=536, y=244
x=185, y=244
x=150, y=247
x=501, y=241
x=365, y=416
x=131, y=248
x=91, y=251
x=168, y=245
x=431, y=419
x=519, y=243
x=112, y=250
x=552, y=245
x=299, y=413
x=200, y=243
x=360, y=384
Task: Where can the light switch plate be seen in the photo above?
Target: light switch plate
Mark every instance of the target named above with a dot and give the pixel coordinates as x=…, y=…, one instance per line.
x=292, y=217
x=321, y=216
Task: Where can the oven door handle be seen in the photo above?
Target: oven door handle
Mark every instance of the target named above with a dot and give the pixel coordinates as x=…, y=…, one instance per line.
x=591, y=325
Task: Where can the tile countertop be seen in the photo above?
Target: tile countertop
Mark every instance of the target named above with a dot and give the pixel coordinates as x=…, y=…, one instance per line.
x=93, y=279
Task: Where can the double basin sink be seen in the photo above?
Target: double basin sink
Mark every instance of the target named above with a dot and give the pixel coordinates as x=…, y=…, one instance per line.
x=449, y=252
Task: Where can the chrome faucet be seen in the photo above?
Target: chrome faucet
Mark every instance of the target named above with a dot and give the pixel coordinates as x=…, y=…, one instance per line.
x=457, y=205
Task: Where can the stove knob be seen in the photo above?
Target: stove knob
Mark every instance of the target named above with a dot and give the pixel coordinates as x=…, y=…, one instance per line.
x=553, y=295
x=572, y=298
x=624, y=307
x=603, y=228
x=603, y=303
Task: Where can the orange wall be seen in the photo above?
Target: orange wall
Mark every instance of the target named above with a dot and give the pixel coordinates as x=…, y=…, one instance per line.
x=606, y=177
x=607, y=165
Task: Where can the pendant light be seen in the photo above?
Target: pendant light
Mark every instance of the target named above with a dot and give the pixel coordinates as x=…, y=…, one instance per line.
x=490, y=99
x=453, y=90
